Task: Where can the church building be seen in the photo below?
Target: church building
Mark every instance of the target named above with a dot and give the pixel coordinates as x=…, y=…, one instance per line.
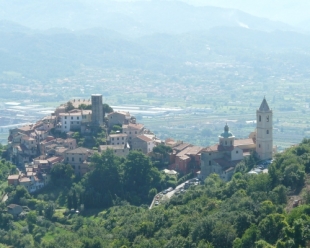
x=223, y=157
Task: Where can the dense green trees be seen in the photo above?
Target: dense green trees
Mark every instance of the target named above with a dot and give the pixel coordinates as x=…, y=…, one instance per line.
x=249, y=211
x=114, y=178
x=62, y=174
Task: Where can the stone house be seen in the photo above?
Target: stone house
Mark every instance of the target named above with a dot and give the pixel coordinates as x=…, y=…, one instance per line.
x=118, y=139
x=13, y=179
x=118, y=118
x=14, y=210
x=142, y=143
x=187, y=159
x=78, y=158
x=133, y=130
x=119, y=150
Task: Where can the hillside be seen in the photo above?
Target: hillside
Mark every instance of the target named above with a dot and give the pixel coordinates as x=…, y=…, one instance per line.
x=248, y=211
x=58, y=53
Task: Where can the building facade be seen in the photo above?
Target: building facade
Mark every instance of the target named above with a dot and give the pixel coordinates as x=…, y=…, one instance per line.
x=223, y=157
x=264, y=131
x=97, y=109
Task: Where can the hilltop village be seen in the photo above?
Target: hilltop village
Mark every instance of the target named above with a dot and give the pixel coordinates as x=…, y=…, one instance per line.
x=79, y=128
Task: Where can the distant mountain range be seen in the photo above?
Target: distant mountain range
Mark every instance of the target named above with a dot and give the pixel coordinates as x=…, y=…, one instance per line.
x=54, y=38
x=60, y=52
x=130, y=18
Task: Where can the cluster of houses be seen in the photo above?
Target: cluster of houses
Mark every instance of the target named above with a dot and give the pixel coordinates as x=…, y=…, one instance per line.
x=36, y=150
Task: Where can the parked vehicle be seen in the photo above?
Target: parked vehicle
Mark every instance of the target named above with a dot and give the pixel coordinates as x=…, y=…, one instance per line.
x=169, y=189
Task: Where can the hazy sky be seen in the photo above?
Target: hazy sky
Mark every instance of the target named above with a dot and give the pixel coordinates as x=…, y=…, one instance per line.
x=290, y=11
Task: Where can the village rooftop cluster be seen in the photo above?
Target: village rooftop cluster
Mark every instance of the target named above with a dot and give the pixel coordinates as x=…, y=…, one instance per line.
x=36, y=148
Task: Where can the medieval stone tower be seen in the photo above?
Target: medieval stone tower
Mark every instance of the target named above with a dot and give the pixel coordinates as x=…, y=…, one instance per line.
x=97, y=109
x=264, y=139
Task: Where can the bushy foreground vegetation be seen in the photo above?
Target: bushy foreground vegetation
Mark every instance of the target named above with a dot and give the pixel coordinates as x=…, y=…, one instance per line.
x=248, y=211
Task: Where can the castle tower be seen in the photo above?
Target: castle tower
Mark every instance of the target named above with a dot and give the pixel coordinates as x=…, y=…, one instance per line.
x=226, y=138
x=264, y=139
x=97, y=109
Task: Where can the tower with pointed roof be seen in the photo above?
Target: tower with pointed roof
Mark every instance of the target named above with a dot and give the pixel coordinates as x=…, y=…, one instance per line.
x=264, y=127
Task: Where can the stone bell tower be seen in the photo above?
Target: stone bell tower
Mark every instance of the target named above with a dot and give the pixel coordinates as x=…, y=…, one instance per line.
x=264, y=128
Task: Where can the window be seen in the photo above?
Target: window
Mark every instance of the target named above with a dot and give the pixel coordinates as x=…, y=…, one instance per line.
x=237, y=151
x=65, y=127
x=117, y=138
x=209, y=162
x=129, y=132
x=72, y=159
x=135, y=132
x=78, y=122
x=78, y=117
x=71, y=122
x=80, y=159
x=71, y=118
x=65, y=122
x=112, y=138
x=259, y=145
x=122, y=138
x=267, y=131
x=225, y=142
x=259, y=118
x=65, y=117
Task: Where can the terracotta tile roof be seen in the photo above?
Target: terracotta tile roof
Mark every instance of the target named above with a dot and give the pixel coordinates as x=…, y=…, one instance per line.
x=80, y=150
x=144, y=138
x=118, y=135
x=13, y=177
x=218, y=148
x=70, y=114
x=191, y=150
x=54, y=159
x=86, y=112
x=120, y=113
x=181, y=147
x=133, y=126
x=183, y=157
x=26, y=128
x=114, y=147
x=24, y=180
x=242, y=142
x=69, y=140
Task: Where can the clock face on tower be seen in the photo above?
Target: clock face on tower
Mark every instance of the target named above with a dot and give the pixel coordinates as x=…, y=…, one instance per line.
x=267, y=118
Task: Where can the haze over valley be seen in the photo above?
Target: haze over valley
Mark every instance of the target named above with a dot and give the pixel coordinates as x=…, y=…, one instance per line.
x=215, y=63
